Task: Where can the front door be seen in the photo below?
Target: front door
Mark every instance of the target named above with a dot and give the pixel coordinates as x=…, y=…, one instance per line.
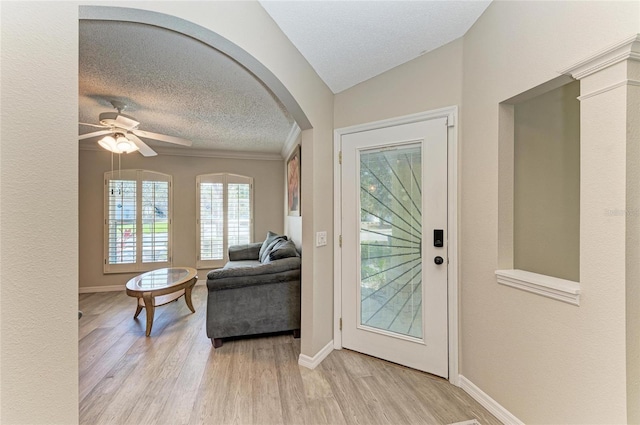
x=394, y=244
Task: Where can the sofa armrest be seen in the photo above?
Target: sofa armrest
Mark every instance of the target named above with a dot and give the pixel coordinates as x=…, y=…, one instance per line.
x=249, y=251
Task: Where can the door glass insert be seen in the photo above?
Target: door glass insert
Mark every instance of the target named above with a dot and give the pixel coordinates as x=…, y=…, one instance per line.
x=390, y=239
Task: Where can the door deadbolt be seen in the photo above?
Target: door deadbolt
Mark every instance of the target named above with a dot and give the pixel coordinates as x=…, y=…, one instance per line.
x=438, y=260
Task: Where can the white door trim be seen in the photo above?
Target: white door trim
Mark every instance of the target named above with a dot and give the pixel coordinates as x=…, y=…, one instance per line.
x=451, y=113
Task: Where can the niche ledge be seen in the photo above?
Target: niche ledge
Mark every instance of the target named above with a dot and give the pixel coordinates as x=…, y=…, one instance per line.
x=551, y=287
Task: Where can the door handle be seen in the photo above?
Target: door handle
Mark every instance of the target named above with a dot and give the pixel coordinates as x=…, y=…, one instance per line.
x=438, y=260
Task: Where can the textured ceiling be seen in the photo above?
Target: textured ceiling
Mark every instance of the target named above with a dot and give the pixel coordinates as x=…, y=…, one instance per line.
x=175, y=85
x=348, y=42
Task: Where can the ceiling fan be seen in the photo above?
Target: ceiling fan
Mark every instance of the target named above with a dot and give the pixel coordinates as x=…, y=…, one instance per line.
x=121, y=133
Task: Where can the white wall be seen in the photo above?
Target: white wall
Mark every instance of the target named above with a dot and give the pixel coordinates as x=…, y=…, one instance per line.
x=39, y=134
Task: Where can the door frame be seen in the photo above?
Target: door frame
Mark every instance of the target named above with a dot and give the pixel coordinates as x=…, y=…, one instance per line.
x=451, y=113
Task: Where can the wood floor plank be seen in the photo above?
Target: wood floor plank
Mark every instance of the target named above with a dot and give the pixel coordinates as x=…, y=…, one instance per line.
x=237, y=397
x=182, y=397
x=92, y=373
x=289, y=384
x=347, y=392
x=178, y=335
x=267, y=406
x=176, y=377
x=100, y=397
x=209, y=401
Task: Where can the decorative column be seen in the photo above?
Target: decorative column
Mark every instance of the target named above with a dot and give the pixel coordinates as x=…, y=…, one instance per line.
x=610, y=200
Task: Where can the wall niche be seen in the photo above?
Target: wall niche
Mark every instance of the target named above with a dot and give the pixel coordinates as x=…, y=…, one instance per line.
x=539, y=190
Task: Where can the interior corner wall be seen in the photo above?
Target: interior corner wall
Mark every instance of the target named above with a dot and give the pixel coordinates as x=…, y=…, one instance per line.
x=268, y=199
x=543, y=360
x=39, y=134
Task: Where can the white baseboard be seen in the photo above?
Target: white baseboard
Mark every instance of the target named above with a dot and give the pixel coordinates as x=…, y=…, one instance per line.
x=114, y=288
x=313, y=362
x=488, y=403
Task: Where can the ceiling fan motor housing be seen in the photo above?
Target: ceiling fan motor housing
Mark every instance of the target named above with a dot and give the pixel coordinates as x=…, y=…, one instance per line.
x=115, y=119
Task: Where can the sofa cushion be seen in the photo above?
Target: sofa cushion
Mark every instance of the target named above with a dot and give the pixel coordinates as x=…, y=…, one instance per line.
x=268, y=244
x=282, y=249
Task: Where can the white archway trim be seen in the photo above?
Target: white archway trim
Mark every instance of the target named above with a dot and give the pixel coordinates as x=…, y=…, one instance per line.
x=208, y=37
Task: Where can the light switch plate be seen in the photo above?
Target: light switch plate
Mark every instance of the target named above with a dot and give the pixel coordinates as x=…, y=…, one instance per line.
x=321, y=238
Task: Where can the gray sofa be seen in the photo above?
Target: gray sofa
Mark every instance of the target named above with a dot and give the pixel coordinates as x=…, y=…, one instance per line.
x=257, y=291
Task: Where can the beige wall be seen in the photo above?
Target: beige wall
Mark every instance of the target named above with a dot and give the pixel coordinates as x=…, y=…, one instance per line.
x=544, y=361
x=428, y=82
x=268, y=201
x=39, y=133
x=547, y=183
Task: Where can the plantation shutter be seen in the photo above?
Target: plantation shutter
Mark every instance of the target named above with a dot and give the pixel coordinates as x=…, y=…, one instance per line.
x=121, y=220
x=238, y=210
x=225, y=216
x=137, y=221
x=155, y=218
x=211, y=218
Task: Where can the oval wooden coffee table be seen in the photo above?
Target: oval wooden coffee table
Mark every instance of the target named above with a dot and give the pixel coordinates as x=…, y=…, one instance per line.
x=162, y=286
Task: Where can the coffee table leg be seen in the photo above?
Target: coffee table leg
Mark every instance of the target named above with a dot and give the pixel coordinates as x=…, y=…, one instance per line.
x=149, y=307
x=187, y=296
x=138, y=309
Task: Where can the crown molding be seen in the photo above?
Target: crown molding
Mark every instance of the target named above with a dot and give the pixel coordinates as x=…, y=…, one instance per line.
x=202, y=153
x=627, y=49
x=290, y=143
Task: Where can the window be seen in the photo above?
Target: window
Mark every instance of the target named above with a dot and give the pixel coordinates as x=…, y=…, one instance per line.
x=137, y=220
x=224, y=216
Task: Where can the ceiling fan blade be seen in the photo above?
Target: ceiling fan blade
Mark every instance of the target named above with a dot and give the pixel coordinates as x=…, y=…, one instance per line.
x=162, y=137
x=94, y=134
x=93, y=125
x=128, y=123
x=145, y=150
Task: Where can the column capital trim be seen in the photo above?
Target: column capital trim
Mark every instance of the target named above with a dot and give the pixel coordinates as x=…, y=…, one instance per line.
x=627, y=49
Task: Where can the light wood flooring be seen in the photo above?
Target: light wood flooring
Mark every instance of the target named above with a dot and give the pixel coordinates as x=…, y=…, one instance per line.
x=176, y=377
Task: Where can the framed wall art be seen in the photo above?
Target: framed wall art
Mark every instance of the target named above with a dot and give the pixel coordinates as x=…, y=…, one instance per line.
x=293, y=182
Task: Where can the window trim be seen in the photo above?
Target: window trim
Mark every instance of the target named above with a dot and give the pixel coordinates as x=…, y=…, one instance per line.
x=225, y=179
x=140, y=176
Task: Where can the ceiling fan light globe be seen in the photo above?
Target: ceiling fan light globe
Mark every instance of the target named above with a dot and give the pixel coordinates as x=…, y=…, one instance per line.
x=125, y=145
x=109, y=143
x=132, y=148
